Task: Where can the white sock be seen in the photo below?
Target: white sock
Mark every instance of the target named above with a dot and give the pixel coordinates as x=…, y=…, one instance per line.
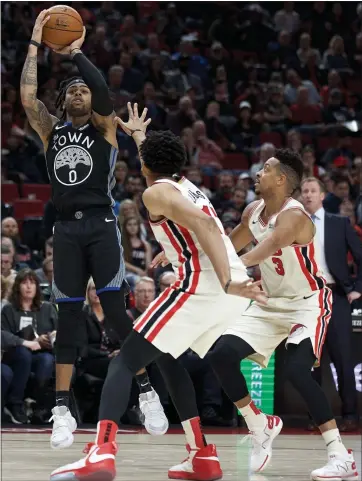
x=254, y=418
x=333, y=441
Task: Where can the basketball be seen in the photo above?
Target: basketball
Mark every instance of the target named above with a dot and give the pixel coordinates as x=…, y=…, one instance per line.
x=64, y=26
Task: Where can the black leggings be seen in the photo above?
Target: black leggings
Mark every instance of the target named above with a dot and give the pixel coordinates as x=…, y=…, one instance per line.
x=136, y=353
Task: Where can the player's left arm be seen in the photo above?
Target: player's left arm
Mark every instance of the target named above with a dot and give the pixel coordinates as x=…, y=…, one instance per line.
x=292, y=227
x=355, y=247
x=102, y=106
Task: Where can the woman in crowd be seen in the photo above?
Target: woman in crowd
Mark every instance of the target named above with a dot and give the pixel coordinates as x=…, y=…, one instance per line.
x=137, y=252
x=32, y=320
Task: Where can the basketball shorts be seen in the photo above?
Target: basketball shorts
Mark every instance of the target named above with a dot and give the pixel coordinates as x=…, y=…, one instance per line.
x=295, y=319
x=84, y=248
x=178, y=319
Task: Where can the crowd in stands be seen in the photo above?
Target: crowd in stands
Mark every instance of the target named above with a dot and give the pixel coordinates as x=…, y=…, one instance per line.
x=235, y=81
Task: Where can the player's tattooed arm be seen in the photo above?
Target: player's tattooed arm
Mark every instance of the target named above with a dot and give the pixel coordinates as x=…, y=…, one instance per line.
x=293, y=226
x=39, y=117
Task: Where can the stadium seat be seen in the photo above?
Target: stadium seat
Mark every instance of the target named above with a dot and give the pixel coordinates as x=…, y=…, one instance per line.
x=356, y=146
x=24, y=208
x=237, y=161
x=9, y=192
x=37, y=191
x=325, y=143
x=273, y=137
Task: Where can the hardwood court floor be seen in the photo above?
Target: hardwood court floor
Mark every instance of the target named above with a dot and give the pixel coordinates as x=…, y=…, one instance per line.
x=28, y=457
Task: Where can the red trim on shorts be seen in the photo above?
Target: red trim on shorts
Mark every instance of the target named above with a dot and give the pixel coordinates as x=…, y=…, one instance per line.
x=311, y=255
x=308, y=275
x=325, y=304
x=143, y=319
x=166, y=317
x=194, y=258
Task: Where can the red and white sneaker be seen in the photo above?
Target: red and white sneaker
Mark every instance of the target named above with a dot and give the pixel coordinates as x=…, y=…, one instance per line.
x=98, y=465
x=338, y=468
x=261, y=443
x=201, y=465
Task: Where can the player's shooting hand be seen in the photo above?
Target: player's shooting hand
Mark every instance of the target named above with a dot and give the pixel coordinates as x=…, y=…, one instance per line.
x=76, y=45
x=135, y=122
x=160, y=260
x=41, y=20
x=249, y=290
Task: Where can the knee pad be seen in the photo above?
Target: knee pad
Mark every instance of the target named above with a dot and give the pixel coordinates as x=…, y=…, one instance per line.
x=71, y=333
x=114, y=308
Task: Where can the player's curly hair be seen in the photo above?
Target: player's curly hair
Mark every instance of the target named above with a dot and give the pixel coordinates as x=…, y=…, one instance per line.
x=59, y=102
x=291, y=165
x=163, y=153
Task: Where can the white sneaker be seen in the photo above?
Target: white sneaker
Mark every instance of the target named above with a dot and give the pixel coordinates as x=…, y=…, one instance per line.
x=338, y=468
x=64, y=426
x=153, y=415
x=261, y=443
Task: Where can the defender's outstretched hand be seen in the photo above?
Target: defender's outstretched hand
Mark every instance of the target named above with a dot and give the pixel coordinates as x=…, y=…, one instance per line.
x=135, y=122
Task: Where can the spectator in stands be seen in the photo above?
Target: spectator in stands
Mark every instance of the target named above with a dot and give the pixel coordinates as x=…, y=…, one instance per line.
x=335, y=57
x=311, y=169
x=45, y=273
x=291, y=89
x=216, y=130
x=208, y=153
x=5, y=291
x=341, y=192
x=153, y=49
x=120, y=174
x=356, y=57
x=10, y=376
x=103, y=342
x=7, y=261
x=232, y=209
x=127, y=209
x=304, y=113
x=334, y=82
x=283, y=48
x=144, y=294
x=335, y=112
x=182, y=118
x=305, y=50
x=294, y=140
x=246, y=182
x=10, y=228
x=287, y=18
x=277, y=114
x=182, y=80
x=33, y=320
x=246, y=130
x=267, y=150
x=132, y=80
x=224, y=191
x=137, y=252
x=156, y=74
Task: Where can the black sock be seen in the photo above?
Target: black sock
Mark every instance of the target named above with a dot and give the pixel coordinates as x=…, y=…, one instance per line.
x=143, y=382
x=62, y=398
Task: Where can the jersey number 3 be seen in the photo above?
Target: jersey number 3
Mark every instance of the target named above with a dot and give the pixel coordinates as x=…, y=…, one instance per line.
x=279, y=268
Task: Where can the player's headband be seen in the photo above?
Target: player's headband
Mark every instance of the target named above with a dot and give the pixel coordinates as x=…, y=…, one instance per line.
x=76, y=81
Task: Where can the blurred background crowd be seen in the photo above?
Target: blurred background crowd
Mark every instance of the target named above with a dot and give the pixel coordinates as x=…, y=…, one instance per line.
x=235, y=80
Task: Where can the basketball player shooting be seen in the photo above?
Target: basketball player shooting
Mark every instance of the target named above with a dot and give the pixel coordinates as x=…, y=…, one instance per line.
x=81, y=150
x=212, y=285
x=298, y=309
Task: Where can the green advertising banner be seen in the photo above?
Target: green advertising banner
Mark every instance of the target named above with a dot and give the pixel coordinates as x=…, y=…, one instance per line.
x=260, y=382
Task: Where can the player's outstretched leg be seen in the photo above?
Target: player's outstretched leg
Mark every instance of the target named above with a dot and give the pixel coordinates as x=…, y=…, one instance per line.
x=225, y=359
x=153, y=415
x=341, y=464
x=202, y=462
x=99, y=462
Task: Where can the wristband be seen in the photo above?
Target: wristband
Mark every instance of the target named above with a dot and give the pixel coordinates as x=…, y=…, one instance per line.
x=226, y=287
x=36, y=44
x=136, y=130
x=72, y=55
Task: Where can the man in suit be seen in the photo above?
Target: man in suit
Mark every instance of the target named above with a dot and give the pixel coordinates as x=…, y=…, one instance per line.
x=336, y=238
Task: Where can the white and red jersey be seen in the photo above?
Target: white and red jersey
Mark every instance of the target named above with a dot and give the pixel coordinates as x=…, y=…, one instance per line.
x=181, y=246
x=292, y=271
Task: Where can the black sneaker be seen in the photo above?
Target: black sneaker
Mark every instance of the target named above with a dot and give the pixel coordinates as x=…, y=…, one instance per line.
x=17, y=414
